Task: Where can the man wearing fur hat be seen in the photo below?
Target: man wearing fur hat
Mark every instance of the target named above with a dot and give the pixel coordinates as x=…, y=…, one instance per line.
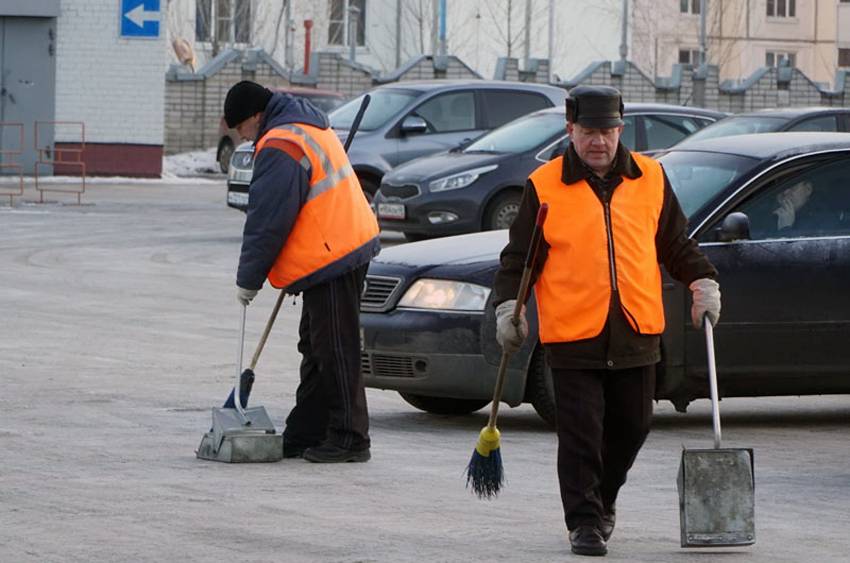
x=309, y=230
x=612, y=219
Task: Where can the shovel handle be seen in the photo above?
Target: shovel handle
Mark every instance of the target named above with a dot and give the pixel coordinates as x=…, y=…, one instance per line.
x=241, y=344
x=267, y=330
x=712, y=380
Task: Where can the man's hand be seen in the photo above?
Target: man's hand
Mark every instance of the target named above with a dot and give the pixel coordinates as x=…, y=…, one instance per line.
x=785, y=214
x=509, y=335
x=706, y=294
x=244, y=296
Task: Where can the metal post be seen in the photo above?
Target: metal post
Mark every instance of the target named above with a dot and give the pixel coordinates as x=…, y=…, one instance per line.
x=442, y=36
x=527, y=33
x=624, y=32
x=352, y=32
x=703, y=14
x=308, y=24
x=288, y=36
x=551, y=37
x=398, y=33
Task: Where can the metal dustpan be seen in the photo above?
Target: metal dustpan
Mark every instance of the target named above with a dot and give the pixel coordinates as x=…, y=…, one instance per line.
x=241, y=435
x=716, y=486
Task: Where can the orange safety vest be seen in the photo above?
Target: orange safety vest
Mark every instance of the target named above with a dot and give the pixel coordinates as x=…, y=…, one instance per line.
x=336, y=218
x=574, y=288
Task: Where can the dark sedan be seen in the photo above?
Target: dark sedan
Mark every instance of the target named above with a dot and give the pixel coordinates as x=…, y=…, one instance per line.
x=478, y=187
x=429, y=328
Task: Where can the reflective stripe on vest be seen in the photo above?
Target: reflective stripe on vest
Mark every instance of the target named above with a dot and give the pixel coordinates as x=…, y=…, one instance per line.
x=574, y=288
x=336, y=218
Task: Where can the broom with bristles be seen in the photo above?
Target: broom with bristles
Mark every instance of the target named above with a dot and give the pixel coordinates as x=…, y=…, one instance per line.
x=485, y=471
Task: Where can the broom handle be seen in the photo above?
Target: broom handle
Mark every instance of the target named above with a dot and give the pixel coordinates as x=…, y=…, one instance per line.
x=238, y=403
x=267, y=330
x=522, y=296
x=712, y=380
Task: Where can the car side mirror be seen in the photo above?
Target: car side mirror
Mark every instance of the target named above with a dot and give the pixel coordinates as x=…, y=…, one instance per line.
x=735, y=226
x=413, y=124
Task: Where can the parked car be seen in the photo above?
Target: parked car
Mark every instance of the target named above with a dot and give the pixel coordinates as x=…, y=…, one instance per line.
x=798, y=119
x=428, y=324
x=406, y=120
x=478, y=187
x=228, y=140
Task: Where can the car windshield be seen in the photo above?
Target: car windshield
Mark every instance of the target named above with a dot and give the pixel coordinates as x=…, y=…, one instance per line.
x=384, y=104
x=739, y=125
x=697, y=177
x=521, y=135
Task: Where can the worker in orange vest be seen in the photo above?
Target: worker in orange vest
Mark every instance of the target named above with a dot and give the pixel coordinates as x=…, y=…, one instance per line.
x=309, y=229
x=612, y=218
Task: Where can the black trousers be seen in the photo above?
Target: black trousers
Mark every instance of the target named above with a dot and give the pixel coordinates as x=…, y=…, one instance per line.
x=603, y=419
x=330, y=403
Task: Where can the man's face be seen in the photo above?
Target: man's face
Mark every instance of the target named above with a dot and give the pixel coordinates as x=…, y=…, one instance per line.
x=596, y=147
x=250, y=128
x=795, y=196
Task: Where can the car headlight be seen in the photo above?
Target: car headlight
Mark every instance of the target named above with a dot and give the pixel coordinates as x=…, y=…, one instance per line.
x=457, y=181
x=445, y=295
x=243, y=160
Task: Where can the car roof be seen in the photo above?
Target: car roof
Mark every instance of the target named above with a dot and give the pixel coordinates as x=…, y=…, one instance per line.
x=765, y=145
x=303, y=91
x=646, y=107
x=791, y=112
x=443, y=84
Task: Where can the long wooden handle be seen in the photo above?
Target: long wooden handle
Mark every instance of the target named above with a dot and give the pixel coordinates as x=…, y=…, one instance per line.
x=522, y=297
x=267, y=330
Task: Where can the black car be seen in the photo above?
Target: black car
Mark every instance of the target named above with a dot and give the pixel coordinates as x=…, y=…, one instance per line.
x=792, y=119
x=477, y=187
x=428, y=323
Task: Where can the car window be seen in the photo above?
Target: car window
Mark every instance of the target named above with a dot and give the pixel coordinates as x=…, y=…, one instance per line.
x=629, y=135
x=385, y=103
x=821, y=123
x=663, y=131
x=521, y=134
x=503, y=106
x=324, y=102
x=809, y=203
x=739, y=125
x=697, y=177
x=454, y=111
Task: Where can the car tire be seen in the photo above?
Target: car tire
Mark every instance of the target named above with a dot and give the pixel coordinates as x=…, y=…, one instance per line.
x=502, y=211
x=225, y=153
x=444, y=405
x=539, y=390
x=369, y=187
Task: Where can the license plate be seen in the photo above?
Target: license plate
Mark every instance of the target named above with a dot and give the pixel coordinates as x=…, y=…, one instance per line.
x=391, y=210
x=237, y=198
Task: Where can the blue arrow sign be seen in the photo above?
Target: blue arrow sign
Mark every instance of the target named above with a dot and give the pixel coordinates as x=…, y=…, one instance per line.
x=140, y=18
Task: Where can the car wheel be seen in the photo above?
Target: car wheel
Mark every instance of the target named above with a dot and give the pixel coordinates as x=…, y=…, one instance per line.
x=224, y=155
x=444, y=405
x=501, y=212
x=539, y=390
x=369, y=187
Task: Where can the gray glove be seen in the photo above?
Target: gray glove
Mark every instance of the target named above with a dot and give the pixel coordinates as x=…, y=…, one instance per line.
x=706, y=294
x=510, y=336
x=244, y=296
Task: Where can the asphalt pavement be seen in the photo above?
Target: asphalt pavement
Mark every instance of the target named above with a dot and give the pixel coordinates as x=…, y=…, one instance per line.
x=118, y=334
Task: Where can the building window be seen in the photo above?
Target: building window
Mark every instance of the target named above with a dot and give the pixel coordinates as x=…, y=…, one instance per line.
x=844, y=55
x=689, y=56
x=689, y=6
x=781, y=8
x=223, y=21
x=773, y=58
x=338, y=25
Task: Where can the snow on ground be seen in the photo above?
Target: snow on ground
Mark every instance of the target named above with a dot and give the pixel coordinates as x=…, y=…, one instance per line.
x=196, y=167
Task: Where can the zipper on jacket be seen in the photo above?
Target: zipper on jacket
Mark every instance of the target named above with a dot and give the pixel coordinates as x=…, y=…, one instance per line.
x=611, y=265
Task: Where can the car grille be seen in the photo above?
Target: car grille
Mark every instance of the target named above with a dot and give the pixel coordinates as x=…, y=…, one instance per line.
x=381, y=365
x=378, y=293
x=404, y=191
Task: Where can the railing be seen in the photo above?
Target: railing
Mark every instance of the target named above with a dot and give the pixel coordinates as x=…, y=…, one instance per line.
x=60, y=157
x=7, y=161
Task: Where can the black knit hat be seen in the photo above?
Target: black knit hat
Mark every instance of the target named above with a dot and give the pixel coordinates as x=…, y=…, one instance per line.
x=244, y=100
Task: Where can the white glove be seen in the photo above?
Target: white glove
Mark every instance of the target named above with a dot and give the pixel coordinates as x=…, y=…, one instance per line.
x=510, y=336
x=244, y=296
x=706, y=294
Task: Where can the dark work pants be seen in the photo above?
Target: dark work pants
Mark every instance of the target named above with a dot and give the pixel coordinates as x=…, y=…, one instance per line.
x=330, y=403
x=603, y=419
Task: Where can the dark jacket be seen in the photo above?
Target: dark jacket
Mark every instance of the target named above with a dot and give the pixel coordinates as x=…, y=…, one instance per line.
x=277, y=193
x=618, y=346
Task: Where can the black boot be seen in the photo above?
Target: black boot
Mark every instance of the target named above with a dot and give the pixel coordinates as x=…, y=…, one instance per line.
x=586, y=540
